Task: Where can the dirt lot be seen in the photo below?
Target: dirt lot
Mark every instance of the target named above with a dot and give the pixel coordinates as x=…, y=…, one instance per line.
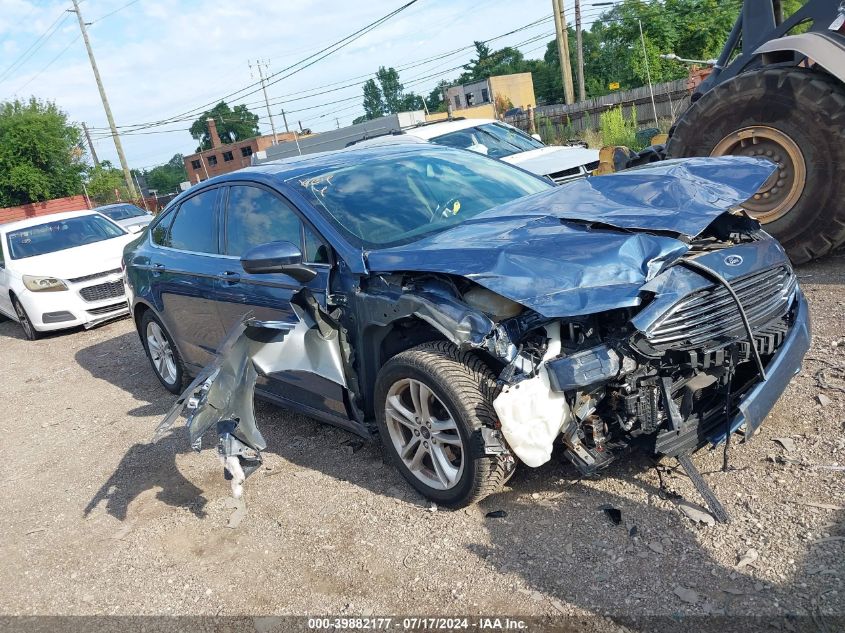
x=97, y=520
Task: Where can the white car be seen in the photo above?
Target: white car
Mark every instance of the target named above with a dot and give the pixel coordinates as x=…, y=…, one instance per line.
x=61, y=271
x=130, y=217
x=512, y=145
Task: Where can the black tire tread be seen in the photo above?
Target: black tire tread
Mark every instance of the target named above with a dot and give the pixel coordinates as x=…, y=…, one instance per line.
x=475, y=387
x=825, y=93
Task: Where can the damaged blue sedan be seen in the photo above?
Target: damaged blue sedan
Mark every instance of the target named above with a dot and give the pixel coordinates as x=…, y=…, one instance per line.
x=470, y=314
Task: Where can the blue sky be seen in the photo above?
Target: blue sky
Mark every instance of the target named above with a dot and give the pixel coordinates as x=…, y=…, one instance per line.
x=160, y=58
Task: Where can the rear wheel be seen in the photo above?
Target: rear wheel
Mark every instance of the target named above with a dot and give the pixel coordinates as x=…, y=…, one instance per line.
x=796, y=119
x=29, y=330
x=431, y=404
x=162, y=352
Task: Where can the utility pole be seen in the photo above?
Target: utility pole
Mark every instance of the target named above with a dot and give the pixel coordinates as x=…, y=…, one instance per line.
x=648, y=72
x=285, y=119
x=259, y=63
x=582, y=93
x=127, y=175
x=563, y=50
x=91, y=145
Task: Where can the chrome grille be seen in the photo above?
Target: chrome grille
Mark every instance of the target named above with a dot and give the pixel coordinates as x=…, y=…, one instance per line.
x=110, y=290
x=708, y=319
x=78, y=280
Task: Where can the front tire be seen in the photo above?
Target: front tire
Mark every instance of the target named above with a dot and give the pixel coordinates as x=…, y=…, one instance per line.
x=431, y=404
x=162, y=353
x=29, y=331
x=796, y=118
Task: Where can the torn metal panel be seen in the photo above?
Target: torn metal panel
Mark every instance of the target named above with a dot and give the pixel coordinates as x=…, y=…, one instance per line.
x=222, y=395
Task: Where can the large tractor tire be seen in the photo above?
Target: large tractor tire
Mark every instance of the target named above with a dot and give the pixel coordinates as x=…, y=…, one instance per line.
x=796, y=118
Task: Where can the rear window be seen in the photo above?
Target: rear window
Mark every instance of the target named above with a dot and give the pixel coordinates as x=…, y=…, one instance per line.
x=60, y=235
x=122, y=212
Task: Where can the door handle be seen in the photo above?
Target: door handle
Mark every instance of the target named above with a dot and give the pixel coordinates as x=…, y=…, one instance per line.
x=229, y=277
x=158, y=269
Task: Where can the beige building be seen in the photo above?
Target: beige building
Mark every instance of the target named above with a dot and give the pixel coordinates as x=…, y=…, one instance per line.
x=222, y=159
x=491, y=95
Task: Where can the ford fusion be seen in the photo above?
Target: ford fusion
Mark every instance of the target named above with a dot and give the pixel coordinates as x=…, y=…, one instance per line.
x=61, y=271
x=470, y=314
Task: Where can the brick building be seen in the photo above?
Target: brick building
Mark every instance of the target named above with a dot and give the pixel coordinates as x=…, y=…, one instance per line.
x=222, y=159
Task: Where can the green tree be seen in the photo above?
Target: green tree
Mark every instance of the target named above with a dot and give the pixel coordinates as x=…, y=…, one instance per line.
x=373, y=100
x=385, y=95
x=40, y=153
x=391, y=89
x=166, y=178
x=106, y=184
x=233, y=124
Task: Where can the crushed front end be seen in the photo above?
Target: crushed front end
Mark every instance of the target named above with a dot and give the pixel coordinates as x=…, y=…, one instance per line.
x=678, y=372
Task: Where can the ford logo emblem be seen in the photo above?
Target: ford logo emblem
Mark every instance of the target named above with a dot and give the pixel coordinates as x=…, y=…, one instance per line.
x=733, y=260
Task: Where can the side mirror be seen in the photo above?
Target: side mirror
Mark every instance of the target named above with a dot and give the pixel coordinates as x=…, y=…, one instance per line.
x=537, y=137
x=277, y=257
x=479, y=148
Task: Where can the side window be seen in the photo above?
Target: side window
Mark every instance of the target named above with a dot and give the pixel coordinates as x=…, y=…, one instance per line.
x=193, y=227
x=256, y=216
x=160, y=232
x=316, y=252
x=2, y=256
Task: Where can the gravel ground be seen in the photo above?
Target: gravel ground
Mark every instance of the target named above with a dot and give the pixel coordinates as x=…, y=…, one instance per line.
x=98, y=520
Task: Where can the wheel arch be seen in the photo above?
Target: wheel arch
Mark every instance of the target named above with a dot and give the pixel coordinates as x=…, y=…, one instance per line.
x=825, y=51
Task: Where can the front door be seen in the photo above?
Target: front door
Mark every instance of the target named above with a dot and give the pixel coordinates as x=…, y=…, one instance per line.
x=255, y=215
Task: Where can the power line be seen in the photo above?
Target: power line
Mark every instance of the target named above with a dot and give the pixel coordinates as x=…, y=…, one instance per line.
x=293, y=96
x=303, y=64
x=33, y=48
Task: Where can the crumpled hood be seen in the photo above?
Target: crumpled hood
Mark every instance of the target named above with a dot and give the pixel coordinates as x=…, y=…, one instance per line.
x=590, y=245
x=681, y=196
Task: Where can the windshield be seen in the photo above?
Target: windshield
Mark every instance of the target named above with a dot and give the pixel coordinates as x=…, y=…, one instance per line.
x=493, y=139
x=399, y=198
x=123, y=212
x=60, y=235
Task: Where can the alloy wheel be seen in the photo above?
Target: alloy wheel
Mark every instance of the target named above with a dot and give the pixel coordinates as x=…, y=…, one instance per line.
x=161, y=353
x=780, y=192
x=424, y=434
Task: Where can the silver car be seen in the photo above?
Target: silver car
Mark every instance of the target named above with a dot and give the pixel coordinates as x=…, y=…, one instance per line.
x=130, y=217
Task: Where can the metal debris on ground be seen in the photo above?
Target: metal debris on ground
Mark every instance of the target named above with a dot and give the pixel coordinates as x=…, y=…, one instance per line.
x=787, y=443
x=697, y=515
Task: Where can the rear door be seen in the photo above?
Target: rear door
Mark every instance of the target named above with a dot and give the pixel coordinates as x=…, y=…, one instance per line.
x=256, y=215
x=185, y=264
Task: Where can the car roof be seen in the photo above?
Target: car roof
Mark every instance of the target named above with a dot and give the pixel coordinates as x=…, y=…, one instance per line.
x=296, y=166
x=116, y=204
x=43, y=219
x=431, y=130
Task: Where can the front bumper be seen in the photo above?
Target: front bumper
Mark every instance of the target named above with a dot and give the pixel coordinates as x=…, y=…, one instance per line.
x=785, y=364
x=50, y=311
